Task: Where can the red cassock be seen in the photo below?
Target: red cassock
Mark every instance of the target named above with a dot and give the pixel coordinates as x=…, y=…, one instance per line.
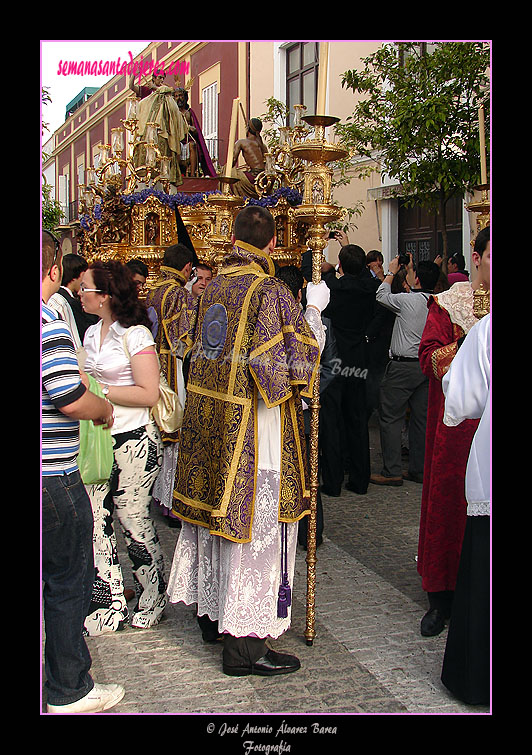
x=443, y=503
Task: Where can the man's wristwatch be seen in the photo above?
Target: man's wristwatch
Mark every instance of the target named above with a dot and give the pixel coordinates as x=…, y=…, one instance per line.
x=105, y=390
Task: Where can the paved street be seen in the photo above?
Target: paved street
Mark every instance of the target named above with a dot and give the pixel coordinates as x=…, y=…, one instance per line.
x=368, y=656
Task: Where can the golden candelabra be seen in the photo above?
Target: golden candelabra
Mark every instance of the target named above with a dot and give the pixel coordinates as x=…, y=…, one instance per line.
x=282, y=168
x=316, y=210
x=155, y=167
x=482, y=207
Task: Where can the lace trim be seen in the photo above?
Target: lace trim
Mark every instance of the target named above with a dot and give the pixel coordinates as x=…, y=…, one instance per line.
x=313, y=318
x=482, y=508
x=457, y=301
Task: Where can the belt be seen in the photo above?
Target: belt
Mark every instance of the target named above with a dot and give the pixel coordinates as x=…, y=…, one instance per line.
x=404, y=359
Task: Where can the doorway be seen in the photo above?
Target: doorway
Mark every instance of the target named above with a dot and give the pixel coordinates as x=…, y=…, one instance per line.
x=419, y=234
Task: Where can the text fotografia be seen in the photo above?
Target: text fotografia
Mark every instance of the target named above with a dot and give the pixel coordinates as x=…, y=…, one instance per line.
x=284, y=729
x=126, y=68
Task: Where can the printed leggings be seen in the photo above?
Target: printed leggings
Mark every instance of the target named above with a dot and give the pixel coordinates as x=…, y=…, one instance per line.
x=137, y=458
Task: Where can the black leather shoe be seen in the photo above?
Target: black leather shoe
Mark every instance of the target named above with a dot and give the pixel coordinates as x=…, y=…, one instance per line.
x=270, y=664
x=413, y=477
x=355, y=488
x=209, y=629
x=432, y=623
x=331, y=493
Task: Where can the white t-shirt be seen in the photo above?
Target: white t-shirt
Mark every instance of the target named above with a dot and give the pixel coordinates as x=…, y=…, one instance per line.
x=110, y=365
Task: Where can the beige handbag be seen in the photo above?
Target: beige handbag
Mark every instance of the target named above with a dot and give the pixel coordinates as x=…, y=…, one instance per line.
x=168, y=411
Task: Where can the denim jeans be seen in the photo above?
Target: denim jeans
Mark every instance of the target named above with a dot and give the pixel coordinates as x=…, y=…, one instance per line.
x=67, y=574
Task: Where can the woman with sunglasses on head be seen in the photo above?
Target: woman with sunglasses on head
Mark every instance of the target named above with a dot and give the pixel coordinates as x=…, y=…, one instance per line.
x=121, y=356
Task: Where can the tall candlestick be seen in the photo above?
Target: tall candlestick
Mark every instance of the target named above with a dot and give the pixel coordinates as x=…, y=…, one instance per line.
x=483, y=171
x=232, y=133
x=322, y=78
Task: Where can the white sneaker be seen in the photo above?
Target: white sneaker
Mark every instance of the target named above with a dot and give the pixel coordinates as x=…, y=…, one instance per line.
x=101, y=697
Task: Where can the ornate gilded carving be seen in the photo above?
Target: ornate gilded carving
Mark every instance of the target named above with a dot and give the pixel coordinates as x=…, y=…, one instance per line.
x=152, y=220
x=481, y=302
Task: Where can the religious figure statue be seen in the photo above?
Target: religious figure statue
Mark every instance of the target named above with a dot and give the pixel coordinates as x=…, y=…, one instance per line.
x=158, y=105
x=317, y=192
x=151, y=228
x=198, y=155
x=253, y=150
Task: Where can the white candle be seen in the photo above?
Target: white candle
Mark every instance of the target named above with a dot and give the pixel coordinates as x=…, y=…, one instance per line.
x=131, y=113
x=232, y=134
x=483, y=171
x=164, y=168
x=117, y=142
x=322, y=78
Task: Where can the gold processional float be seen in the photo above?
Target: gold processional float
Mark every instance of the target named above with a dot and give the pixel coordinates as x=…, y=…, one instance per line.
x=140, y=223
x=296, y=186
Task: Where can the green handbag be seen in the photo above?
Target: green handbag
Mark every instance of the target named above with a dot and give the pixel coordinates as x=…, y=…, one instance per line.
x=95, y=457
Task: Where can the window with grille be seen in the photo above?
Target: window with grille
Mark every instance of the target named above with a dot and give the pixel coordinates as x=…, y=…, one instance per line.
x=418, y=48
x=302, y=76
x=209, y=124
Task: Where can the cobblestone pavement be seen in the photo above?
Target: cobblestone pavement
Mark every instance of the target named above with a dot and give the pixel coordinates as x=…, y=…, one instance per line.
x=368, y=656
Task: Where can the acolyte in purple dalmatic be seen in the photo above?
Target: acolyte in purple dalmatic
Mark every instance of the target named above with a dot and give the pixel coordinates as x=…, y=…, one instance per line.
x=251, y=340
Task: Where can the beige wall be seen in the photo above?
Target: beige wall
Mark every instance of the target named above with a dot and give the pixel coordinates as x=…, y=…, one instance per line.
x=261, y=72
x=267, y=80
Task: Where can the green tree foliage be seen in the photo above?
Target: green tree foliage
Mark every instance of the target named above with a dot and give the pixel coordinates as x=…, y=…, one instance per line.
x=418, y=118
x=51, y=208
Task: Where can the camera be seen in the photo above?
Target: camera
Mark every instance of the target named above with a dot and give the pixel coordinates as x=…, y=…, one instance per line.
x=332, y=235
x=403, y=259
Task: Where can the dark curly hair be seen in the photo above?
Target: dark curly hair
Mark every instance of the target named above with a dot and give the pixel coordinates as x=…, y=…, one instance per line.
x=115, y=279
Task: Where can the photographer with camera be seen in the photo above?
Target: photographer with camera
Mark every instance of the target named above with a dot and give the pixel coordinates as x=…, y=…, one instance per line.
x=404, y=384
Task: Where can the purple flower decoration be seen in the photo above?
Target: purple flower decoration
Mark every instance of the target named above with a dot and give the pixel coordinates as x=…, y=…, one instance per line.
x=182, y=199
x=292, y=196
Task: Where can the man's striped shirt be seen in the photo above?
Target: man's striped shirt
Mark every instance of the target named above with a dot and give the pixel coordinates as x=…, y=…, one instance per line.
x=61, y=385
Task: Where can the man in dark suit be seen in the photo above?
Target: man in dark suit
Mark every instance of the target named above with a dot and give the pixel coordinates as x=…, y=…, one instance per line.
x=350, y=310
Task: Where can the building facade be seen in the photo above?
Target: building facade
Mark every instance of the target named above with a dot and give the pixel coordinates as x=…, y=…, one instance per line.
x=255, y=71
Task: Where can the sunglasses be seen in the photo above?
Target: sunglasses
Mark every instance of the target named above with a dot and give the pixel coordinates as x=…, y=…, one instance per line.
x=57, y=245
x=84, y=290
